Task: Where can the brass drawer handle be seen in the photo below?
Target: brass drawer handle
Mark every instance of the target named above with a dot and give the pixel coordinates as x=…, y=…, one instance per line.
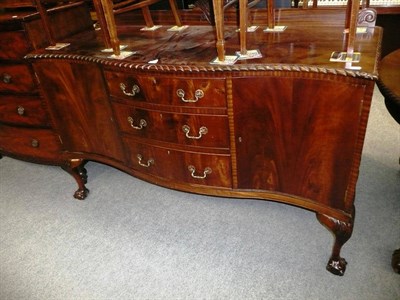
x=6, y=78
x=21, y=110
x=142, y=123
x=146, y=165
x=135, y=90
x=35, y=143
x=192, y=170
x=198, y=94
x=186, y=129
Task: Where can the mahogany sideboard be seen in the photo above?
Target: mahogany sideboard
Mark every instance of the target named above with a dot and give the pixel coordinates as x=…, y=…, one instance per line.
x=288, y=126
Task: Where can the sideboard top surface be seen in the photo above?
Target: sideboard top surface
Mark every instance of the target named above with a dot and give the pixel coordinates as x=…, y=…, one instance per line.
x=304, y=48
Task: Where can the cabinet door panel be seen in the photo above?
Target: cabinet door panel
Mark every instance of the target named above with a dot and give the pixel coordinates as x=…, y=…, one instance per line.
x=297, y=136
x=81, y=112
x=186, y=129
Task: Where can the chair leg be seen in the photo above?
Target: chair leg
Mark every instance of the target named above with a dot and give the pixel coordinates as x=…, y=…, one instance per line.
x=147, y=17
x=174, y=9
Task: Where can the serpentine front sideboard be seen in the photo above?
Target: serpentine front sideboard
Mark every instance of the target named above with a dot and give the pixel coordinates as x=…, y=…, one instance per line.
x=288, y=126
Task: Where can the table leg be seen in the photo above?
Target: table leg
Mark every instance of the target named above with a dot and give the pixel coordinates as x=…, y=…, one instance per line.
x=396, y=261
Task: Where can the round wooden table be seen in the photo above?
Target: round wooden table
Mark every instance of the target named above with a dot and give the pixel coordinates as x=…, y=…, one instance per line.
x=389, y=85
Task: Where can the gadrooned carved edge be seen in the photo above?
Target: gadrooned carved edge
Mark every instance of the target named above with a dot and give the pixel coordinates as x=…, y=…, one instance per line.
x=205, y=68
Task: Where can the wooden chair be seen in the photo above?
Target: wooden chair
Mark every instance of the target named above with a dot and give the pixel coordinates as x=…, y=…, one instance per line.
x=218, y=7
x=106, y=9
x=128, y=5
x=44, y=6
x=205, y=7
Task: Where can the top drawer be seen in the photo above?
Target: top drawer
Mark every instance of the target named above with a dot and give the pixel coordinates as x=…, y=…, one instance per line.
x=190, y=92
x=13, y=45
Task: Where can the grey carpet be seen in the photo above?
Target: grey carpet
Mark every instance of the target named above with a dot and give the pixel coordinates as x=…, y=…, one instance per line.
x=134, y=240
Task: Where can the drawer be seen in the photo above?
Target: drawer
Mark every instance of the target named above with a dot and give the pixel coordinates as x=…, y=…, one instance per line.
x=16, y=78
x=37, y=143
x=13, y=45
x=23, y=110
x=182, y=166
x=190, y=92
x=186, y=129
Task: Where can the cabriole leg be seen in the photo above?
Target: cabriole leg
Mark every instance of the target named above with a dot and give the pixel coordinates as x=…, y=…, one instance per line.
x=342, y=232
x=76, y=168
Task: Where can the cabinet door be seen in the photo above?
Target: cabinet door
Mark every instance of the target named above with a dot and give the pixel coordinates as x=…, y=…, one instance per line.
x=297, y=136
x=79, y=107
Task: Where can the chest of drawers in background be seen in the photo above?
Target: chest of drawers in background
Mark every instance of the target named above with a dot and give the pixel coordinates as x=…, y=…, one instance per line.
x=175, y=128
x=25, y=130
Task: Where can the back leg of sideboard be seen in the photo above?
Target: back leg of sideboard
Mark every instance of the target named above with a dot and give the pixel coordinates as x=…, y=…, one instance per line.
x=76, y=167
x=342, y=232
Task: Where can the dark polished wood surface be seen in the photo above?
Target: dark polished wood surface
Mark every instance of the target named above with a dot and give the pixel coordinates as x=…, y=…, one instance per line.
x=193, y=49
x=389, y=83
x=389, y=74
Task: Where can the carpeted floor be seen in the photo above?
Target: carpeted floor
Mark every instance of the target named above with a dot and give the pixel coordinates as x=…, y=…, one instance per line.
x=134, y=240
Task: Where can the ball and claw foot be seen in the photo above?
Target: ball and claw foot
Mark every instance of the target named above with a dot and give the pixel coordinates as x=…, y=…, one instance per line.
x=337, y=266
x=342, y=231
x=81, y=194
